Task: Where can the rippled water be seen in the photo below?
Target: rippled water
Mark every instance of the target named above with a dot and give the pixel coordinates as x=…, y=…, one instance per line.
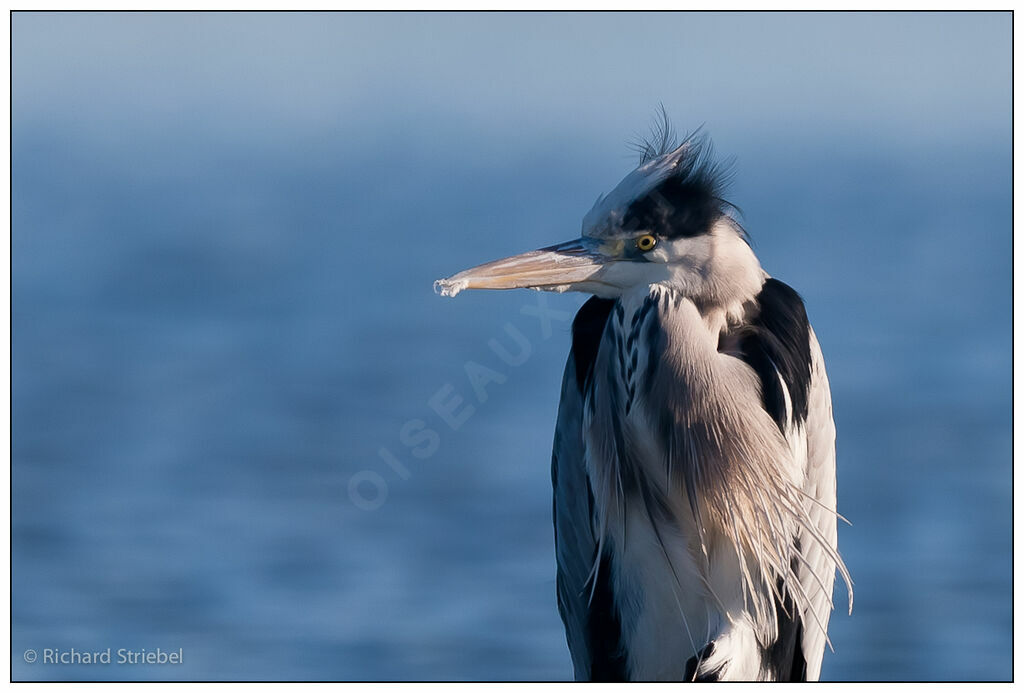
x=211, y=336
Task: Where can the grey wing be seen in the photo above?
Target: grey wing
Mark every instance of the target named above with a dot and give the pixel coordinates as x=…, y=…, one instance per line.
x=818, y=573
x=575, y=546
x=585, y=598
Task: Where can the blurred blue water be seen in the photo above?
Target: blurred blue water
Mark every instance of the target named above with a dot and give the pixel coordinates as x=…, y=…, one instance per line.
x=222, y=256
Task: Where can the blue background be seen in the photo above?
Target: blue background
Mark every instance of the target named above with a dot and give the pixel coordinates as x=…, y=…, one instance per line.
x=225, y=230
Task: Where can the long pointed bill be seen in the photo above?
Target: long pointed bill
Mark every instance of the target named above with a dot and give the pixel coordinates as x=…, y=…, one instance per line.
x=557, y=268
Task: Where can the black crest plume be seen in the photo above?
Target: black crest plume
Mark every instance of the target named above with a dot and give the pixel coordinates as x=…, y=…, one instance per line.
x=689, y=201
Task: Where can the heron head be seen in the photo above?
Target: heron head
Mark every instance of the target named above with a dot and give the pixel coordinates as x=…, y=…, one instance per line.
x=665, y=223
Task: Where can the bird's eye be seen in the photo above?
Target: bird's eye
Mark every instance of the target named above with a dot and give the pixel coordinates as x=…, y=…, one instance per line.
x=646, y=242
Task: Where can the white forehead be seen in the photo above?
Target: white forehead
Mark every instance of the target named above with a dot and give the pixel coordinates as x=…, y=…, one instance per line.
x=605, y=217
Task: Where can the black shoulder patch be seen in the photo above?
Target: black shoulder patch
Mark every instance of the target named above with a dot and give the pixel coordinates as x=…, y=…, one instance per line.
x=777, y=342
x=604, y=629
x=587, y=328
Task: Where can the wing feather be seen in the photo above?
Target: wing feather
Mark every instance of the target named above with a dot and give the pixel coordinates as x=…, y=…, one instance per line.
x=820, y=487
x=591, y=620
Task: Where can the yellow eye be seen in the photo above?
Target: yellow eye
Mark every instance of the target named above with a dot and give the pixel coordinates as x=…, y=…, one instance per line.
x=646, y=242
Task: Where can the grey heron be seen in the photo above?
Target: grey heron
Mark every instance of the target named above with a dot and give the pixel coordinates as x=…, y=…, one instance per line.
x=694, y=453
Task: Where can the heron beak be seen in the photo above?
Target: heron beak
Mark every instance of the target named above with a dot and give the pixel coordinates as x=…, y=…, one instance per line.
x=557, y=268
